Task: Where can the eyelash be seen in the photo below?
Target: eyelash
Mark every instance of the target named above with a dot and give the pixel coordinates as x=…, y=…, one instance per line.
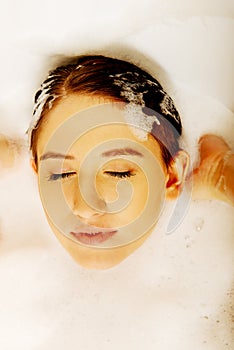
x=56, y=177
x=121, y=175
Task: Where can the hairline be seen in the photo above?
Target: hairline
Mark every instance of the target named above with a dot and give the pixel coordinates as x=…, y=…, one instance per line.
x=43, y=121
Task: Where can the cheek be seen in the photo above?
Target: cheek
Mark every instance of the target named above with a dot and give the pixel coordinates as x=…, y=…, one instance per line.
x=107, y=189
x=70, y=190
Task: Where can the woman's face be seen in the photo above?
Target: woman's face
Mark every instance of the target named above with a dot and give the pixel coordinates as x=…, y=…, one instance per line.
x=113, y=182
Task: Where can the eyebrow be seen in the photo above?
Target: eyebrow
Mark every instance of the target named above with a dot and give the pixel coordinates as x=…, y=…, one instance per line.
x=111, y=153
x=53, y=155
x=121, y=152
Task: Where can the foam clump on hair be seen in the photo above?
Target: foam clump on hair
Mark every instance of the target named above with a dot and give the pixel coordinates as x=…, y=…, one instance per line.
x=41, y=97
x=141, y=124
x=167, y=107
x=128, y=89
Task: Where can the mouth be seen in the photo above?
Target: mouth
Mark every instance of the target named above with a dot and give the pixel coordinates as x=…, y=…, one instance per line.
x=93, y=237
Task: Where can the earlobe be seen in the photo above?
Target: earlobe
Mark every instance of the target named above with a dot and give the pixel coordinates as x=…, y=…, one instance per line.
x=177, y=172
x=33, y=165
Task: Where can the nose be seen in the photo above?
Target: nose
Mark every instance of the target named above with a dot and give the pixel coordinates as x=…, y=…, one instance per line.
x=91, y=207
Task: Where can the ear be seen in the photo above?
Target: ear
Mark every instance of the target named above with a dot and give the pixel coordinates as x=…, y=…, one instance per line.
x=33, y=165
x=177, y=172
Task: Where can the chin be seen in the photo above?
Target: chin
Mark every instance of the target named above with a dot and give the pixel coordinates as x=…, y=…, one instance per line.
x=98, y=259
x=94, y=258
x=96, y=264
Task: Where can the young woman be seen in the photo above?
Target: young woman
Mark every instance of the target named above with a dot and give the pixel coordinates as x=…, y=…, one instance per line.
x=105, y=143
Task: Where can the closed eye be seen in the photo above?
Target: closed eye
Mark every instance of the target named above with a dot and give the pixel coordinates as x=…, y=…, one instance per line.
x=120, y=175
x=59, y=176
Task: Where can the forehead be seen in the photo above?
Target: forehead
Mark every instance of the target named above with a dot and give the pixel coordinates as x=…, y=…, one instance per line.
x=72, y=104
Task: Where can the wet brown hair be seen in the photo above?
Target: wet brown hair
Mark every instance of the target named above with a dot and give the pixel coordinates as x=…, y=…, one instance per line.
x=98, y=75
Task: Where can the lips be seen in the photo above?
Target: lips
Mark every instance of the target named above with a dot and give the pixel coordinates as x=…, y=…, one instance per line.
x=93, y=237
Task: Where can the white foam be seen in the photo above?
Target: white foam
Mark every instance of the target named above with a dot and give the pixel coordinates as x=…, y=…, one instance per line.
x=141, y=124
x=167, y=106
x=174, y=292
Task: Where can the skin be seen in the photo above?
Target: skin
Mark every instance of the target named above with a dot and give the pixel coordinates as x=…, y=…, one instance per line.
x=91, y=257
x=7, y=152
x=213, y=178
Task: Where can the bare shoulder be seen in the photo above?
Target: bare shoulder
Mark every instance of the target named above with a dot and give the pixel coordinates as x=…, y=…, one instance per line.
x=10, y=150
x=213, y=178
